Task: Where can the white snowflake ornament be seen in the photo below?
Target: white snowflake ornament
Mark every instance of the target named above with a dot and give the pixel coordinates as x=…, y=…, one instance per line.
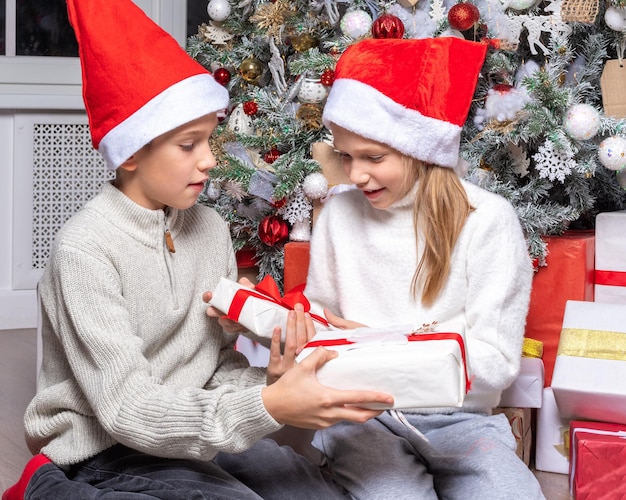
x=298, y=207
x=553, y=163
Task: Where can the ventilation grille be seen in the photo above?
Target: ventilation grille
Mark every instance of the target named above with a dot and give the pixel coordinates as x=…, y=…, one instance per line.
x=67, y=172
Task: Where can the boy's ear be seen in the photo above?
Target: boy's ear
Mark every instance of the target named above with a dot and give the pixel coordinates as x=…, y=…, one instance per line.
x=130, y=165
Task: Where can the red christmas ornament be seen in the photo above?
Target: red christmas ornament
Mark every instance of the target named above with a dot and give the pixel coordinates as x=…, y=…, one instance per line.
x=272, y=155
x=279, y=203
x=463, y=16
x=327, y=77
x=503, y=88
x=222, y=76
x=388, y=26
x=273, y=230
x=250, y=108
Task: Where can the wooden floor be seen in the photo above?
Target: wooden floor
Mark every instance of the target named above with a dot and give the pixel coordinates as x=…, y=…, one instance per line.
x=17, y=386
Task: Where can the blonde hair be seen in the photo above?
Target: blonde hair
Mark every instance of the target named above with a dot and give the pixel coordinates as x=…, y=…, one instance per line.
x=440, y=210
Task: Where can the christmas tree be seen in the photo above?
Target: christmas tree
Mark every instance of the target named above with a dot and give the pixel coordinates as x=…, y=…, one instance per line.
x=540, y=133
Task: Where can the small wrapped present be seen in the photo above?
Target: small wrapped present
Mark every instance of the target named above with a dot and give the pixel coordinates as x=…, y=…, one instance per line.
x=590, y=368
x=420, y=369
x=610, y=274
x=551, y=453
x=261, y=309
x=568, y=275
x=520, y=420
x=597, y=460
x=527, y=389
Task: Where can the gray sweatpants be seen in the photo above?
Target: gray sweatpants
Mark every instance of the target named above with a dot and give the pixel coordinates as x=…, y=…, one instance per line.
x=461, y=456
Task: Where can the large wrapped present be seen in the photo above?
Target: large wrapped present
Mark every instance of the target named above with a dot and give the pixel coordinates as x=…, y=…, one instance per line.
x=597, y=460
x=610, y=275
x=419, y=368
x=551, y=453
x=568, y=275
x=520, y=420
x=261, y=309
x=590, y=368
x=527, y=389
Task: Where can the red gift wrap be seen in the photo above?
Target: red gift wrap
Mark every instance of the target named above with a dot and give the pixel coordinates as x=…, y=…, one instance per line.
x=568, y=275
x=597, y=460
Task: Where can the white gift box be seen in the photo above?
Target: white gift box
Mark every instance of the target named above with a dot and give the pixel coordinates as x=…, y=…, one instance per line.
x=259, y=310
x=550, y=451
x=420, y=370
x=527, y=389
x=610, y=274
x=590, y=367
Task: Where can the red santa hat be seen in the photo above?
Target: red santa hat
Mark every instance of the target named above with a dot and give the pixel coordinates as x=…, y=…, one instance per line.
x=413, y=95
x=138, y=83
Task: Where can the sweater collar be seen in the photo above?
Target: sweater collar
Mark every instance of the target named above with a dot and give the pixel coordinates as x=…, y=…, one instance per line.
x=143, y=224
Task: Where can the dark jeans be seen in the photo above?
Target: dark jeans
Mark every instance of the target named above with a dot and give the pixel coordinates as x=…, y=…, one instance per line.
x=264, y=471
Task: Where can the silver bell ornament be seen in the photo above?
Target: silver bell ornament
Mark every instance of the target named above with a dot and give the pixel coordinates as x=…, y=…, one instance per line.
x=239, y=122
x=312, y=90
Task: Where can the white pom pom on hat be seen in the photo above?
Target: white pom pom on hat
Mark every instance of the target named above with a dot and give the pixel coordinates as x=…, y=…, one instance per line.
x=413, y=95
x=138, y=83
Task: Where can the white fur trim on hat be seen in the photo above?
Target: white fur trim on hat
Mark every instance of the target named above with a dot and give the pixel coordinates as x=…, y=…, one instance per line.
x=362, y=109
x=186, y=100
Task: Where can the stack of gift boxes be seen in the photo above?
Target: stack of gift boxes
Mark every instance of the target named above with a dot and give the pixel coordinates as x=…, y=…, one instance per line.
x=567, y=408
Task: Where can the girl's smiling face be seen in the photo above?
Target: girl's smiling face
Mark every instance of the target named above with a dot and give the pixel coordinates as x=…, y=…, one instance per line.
x=379, y=171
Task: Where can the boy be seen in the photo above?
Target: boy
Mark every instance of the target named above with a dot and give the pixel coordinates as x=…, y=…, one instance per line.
x=139, y=388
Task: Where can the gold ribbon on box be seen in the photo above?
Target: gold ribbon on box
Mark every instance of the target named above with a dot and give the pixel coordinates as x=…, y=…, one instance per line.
x=597, y=344
x=532, y=348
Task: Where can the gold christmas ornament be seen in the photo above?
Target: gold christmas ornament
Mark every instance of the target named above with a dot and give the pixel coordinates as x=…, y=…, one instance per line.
x=251, y=69
x=302, y=42
x=311, y=115
x=273, y=16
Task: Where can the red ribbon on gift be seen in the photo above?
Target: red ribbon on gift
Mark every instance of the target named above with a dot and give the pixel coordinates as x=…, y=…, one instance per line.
x=611, y=278
x=414, y=337
x=270, y=292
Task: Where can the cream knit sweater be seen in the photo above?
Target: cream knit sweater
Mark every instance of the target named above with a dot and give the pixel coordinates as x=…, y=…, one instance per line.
x=129, y=355
x=363, y=260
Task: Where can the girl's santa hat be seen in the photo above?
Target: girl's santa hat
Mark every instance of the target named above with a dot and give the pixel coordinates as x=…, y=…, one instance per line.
x=138, y=83
x=413, y=95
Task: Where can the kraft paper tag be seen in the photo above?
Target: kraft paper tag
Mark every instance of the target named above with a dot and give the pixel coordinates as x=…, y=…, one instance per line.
x=613, y=85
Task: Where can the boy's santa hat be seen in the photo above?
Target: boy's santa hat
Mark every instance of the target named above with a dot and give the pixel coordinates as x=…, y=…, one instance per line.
x=413, y=95
x=138, y=83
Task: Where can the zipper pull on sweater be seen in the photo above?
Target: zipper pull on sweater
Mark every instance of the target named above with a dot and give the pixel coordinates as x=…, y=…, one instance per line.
x=169, y=241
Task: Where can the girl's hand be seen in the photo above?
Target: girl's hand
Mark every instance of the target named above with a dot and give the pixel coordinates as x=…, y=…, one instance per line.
x=338, y=322
x=299, y=331
x=228, y=325
x=298, y=399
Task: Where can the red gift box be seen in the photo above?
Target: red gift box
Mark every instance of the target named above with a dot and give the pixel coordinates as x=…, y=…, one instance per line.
x=568, y=275
x=296, y=263
x=597, y=460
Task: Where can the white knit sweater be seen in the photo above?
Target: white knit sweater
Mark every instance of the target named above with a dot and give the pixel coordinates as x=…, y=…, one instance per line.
x=363, y=260
x=129, y=354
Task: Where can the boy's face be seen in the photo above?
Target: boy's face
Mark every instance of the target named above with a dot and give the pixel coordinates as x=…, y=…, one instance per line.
x=171, y=171
x=380, y=172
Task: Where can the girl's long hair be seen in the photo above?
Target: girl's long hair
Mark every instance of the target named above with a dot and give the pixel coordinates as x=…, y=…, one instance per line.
x=440, y=210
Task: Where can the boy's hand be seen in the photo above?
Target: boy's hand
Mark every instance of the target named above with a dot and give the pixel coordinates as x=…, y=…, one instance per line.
x=227, y=324
x=298, y=399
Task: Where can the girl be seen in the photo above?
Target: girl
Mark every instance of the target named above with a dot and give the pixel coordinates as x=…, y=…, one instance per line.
x=413, y=244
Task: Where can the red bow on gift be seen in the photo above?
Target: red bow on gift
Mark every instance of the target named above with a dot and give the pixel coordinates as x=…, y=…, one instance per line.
x=269, y=291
